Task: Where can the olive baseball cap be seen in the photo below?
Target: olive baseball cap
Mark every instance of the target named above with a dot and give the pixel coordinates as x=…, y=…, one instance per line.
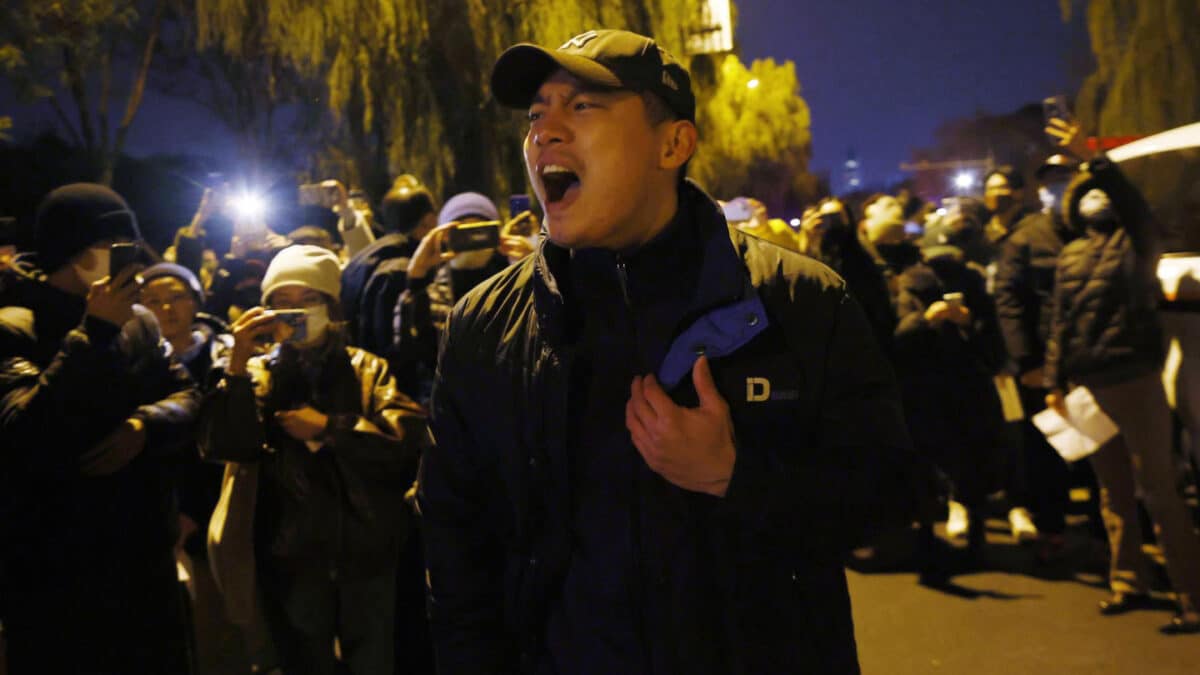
x=610, y=58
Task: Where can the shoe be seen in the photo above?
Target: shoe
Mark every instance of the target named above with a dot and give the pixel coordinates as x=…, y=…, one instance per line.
x=1120, y=603
x=1182, y=624
x=957, y=525
x=1023, y=529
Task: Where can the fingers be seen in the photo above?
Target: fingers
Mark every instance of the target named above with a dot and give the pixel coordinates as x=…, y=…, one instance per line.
x=706, y=388
x=638, y=406
x=637, y=430
x=656, y=397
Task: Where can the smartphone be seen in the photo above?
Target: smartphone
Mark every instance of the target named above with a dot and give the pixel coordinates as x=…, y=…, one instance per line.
x=122, y=255
x=953, y=299
x=1055, y=107
x=323, y=194
x=474, y=236
x=294, y=322
x=518, y=204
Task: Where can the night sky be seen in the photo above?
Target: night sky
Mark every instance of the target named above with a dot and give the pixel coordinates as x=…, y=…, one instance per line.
x=878, y=76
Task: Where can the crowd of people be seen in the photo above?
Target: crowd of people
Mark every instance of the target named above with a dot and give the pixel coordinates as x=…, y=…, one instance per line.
x=215, y=450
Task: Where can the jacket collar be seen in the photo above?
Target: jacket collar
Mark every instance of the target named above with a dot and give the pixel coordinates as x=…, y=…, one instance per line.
x=723, y=279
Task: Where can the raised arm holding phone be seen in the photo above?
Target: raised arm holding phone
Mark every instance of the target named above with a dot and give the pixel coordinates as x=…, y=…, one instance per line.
x=93, y=419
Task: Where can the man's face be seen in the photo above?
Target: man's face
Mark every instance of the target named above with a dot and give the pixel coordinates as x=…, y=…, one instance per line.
x=593, y=161
x=172, y=304
x=886, y=211
x=998, y=195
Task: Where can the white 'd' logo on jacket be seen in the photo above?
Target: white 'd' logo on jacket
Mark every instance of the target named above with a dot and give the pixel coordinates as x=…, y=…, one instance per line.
x=758, y=389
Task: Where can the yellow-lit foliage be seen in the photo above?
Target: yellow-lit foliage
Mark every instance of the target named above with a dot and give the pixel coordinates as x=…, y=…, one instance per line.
x=750, y=134
x=1147, y=75
x=411, y=76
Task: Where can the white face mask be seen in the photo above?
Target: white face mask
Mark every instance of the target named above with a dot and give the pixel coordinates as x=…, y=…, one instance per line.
x=316, y=320
x=471, y=260
x=1095, y=206
x=94, y=267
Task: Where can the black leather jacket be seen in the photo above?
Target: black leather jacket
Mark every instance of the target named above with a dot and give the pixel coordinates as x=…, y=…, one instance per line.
x=818, y=426
x=341, y=506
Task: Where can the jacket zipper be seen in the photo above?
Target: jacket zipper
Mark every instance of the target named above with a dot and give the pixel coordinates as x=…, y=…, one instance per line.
x=635, y=506
x=623, y=278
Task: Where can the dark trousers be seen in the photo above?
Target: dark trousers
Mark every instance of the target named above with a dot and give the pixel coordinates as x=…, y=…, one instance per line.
x=307, y=608
x=1038, y=478
x=108, y=616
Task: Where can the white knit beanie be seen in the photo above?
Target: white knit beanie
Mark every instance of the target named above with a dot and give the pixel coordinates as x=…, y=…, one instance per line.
x=304, y=265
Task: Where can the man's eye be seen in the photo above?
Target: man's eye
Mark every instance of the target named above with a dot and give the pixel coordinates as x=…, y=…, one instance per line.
x=534, y=116
x=583, y=105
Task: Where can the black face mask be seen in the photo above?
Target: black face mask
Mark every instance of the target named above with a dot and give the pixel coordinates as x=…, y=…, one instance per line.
x=899, y=255
x=1002, y=204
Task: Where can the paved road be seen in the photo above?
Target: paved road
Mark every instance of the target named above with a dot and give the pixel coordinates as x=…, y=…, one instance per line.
x=1012, y=616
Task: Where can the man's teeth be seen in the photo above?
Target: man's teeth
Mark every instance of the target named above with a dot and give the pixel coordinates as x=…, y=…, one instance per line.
x=554, y=168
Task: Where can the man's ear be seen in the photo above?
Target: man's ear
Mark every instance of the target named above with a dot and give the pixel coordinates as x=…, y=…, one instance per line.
x=678, y=144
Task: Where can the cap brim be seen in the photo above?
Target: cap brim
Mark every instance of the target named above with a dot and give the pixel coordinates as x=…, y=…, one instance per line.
x=521, y=70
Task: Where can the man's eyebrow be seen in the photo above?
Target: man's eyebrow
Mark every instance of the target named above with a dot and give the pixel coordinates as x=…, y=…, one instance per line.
x=576, y=90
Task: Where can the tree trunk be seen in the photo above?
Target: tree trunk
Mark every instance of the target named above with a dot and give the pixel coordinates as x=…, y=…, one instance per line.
x=111, y=154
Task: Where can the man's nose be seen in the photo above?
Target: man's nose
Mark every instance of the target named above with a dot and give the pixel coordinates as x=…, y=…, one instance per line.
x=549, y=129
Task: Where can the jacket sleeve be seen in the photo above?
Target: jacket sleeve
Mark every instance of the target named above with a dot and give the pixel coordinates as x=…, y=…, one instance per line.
x=231, y=429
x=985, y=337
x=1014, y=298
x=1134, y=215
x=51, y=414
x=861, y=448
x=1052, y=371
x=916, y=339
x=189, y=252
x=415, y=339
x=390, y=430
x=464, y=556
x=171, y=421
x=356, y=232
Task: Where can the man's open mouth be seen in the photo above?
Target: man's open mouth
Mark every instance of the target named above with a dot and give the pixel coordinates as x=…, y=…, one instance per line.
x=557, y=180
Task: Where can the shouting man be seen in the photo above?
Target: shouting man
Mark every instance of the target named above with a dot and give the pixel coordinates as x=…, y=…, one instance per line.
x=656, y=436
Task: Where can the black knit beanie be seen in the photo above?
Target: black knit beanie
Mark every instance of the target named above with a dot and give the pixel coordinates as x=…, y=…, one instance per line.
x=76, y=216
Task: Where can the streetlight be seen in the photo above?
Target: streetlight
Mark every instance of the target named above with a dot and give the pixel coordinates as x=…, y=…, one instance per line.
x=752, y=84
x=964, y=180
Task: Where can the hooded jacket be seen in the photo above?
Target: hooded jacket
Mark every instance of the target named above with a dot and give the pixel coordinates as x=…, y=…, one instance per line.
x=1105, y=328
x=817, y=424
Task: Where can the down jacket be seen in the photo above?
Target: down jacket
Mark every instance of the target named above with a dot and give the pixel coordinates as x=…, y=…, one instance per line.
x=812, y=457
x=1105, y=328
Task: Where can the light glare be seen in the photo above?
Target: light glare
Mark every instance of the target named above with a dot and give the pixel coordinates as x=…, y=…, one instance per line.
x=248, y=206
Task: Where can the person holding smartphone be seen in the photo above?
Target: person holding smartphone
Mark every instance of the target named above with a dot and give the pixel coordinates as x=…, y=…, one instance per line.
x=93, y=417
x=946, y=350
x=335, y=446
x=468, y=246
x=1105, y=334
